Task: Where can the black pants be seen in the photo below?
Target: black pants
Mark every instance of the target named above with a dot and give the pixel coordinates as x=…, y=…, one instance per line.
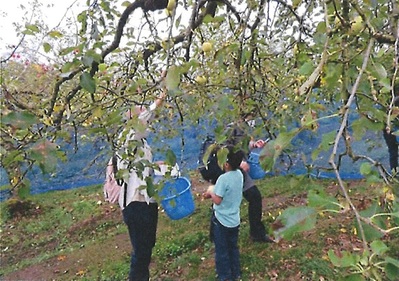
x=141, y=220
x=256, y=228
x=392, y=145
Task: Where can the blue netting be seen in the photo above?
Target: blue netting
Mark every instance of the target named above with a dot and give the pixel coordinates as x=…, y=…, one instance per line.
x=87, y=165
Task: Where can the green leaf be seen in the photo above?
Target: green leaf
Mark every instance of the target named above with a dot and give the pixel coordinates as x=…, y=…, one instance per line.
x=102, y=67
x=24, y=190
x=275, y=148
x=306, y=69
x=326, y=143
x=88, y=83
x=343, y=259
x=378, y=247
x=20, y=120
x=87, y=60
x=170, y=157
x=222, y=156
x=172, y=79
x=354, y=277
x=208, y=152
x=270, y=152
x=94, y=55
x=365, y=169
x=66, y=51
x=322, y=200
x=294, y=220
x=392, y=271
x=379, y=71
x=12, y=157
x=392, y=261
x=150, y=186
x=208, y=19
x=267, y=156
x=33, y=28
x=46, y=47
x=370, y=232
x=98, y=130
x=114, y=118
x=55, y=34
x=45, y=155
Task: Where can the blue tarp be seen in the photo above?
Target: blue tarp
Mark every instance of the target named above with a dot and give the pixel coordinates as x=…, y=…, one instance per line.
x=87, y=165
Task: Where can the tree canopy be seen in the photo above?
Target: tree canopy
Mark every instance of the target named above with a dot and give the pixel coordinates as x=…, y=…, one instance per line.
x=280, y=60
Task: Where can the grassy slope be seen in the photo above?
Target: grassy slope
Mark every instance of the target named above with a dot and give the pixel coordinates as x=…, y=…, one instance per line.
x=73, y=235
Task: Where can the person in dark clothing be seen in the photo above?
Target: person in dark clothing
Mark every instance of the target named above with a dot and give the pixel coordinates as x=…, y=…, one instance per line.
x=392, y=140
x=237, y=136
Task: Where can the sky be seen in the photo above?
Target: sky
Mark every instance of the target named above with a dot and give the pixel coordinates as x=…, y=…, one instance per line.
x=51, y=13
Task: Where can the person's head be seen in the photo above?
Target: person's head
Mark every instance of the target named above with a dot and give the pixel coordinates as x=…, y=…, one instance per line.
x=234, y=157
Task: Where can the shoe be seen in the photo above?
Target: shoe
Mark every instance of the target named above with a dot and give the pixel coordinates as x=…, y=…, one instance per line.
x=264, y=239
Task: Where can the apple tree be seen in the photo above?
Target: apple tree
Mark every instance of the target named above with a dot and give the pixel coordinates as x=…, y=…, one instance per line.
x=283, y=61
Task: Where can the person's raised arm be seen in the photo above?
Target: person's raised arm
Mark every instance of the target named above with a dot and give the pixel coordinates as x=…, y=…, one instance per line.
x=163, y=94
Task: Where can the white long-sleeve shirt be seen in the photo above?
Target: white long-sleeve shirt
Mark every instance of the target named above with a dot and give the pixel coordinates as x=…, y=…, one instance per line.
x=136, y=146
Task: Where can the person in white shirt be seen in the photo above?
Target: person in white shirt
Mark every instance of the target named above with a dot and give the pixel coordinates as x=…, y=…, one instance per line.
x=139, y=209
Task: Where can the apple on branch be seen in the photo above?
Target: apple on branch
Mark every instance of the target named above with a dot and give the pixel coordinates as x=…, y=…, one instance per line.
x=207, y=47
x=201, y=79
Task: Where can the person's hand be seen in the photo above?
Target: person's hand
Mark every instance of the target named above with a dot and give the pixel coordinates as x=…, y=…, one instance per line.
x=257, y=144
x=245, y=166
x=206, y=195
x=163, y=74
x=260, y=143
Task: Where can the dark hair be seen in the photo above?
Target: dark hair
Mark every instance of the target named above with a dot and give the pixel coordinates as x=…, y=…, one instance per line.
x=234, y=157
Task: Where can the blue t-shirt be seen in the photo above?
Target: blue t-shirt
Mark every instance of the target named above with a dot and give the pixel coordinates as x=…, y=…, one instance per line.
x=229, y=187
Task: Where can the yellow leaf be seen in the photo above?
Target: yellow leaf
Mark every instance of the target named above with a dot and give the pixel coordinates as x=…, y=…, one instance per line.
x=61, y=258
x=81, y=272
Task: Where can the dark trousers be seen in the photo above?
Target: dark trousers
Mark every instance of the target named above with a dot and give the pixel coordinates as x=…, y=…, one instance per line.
x=257, y=229
x=227, y=254
x=141, y=220
x=392, y=145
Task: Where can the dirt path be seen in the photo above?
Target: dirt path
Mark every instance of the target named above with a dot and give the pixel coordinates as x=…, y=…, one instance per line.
x=72, y=265
x=64, y=267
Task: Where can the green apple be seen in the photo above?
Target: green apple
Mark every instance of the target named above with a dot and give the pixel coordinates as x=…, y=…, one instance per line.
x=200, y=79
x=357, y=25
x=207, y=47
x=168, y=13
x=171, y=5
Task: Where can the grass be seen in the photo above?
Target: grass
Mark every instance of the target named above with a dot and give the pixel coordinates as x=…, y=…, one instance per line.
x=74, y=235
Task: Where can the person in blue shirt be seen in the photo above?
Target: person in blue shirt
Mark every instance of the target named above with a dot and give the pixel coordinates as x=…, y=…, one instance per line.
x=225, y=222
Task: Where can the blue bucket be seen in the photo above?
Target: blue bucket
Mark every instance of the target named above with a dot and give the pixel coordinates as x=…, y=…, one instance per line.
x=177, y=200
x=255, y=170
